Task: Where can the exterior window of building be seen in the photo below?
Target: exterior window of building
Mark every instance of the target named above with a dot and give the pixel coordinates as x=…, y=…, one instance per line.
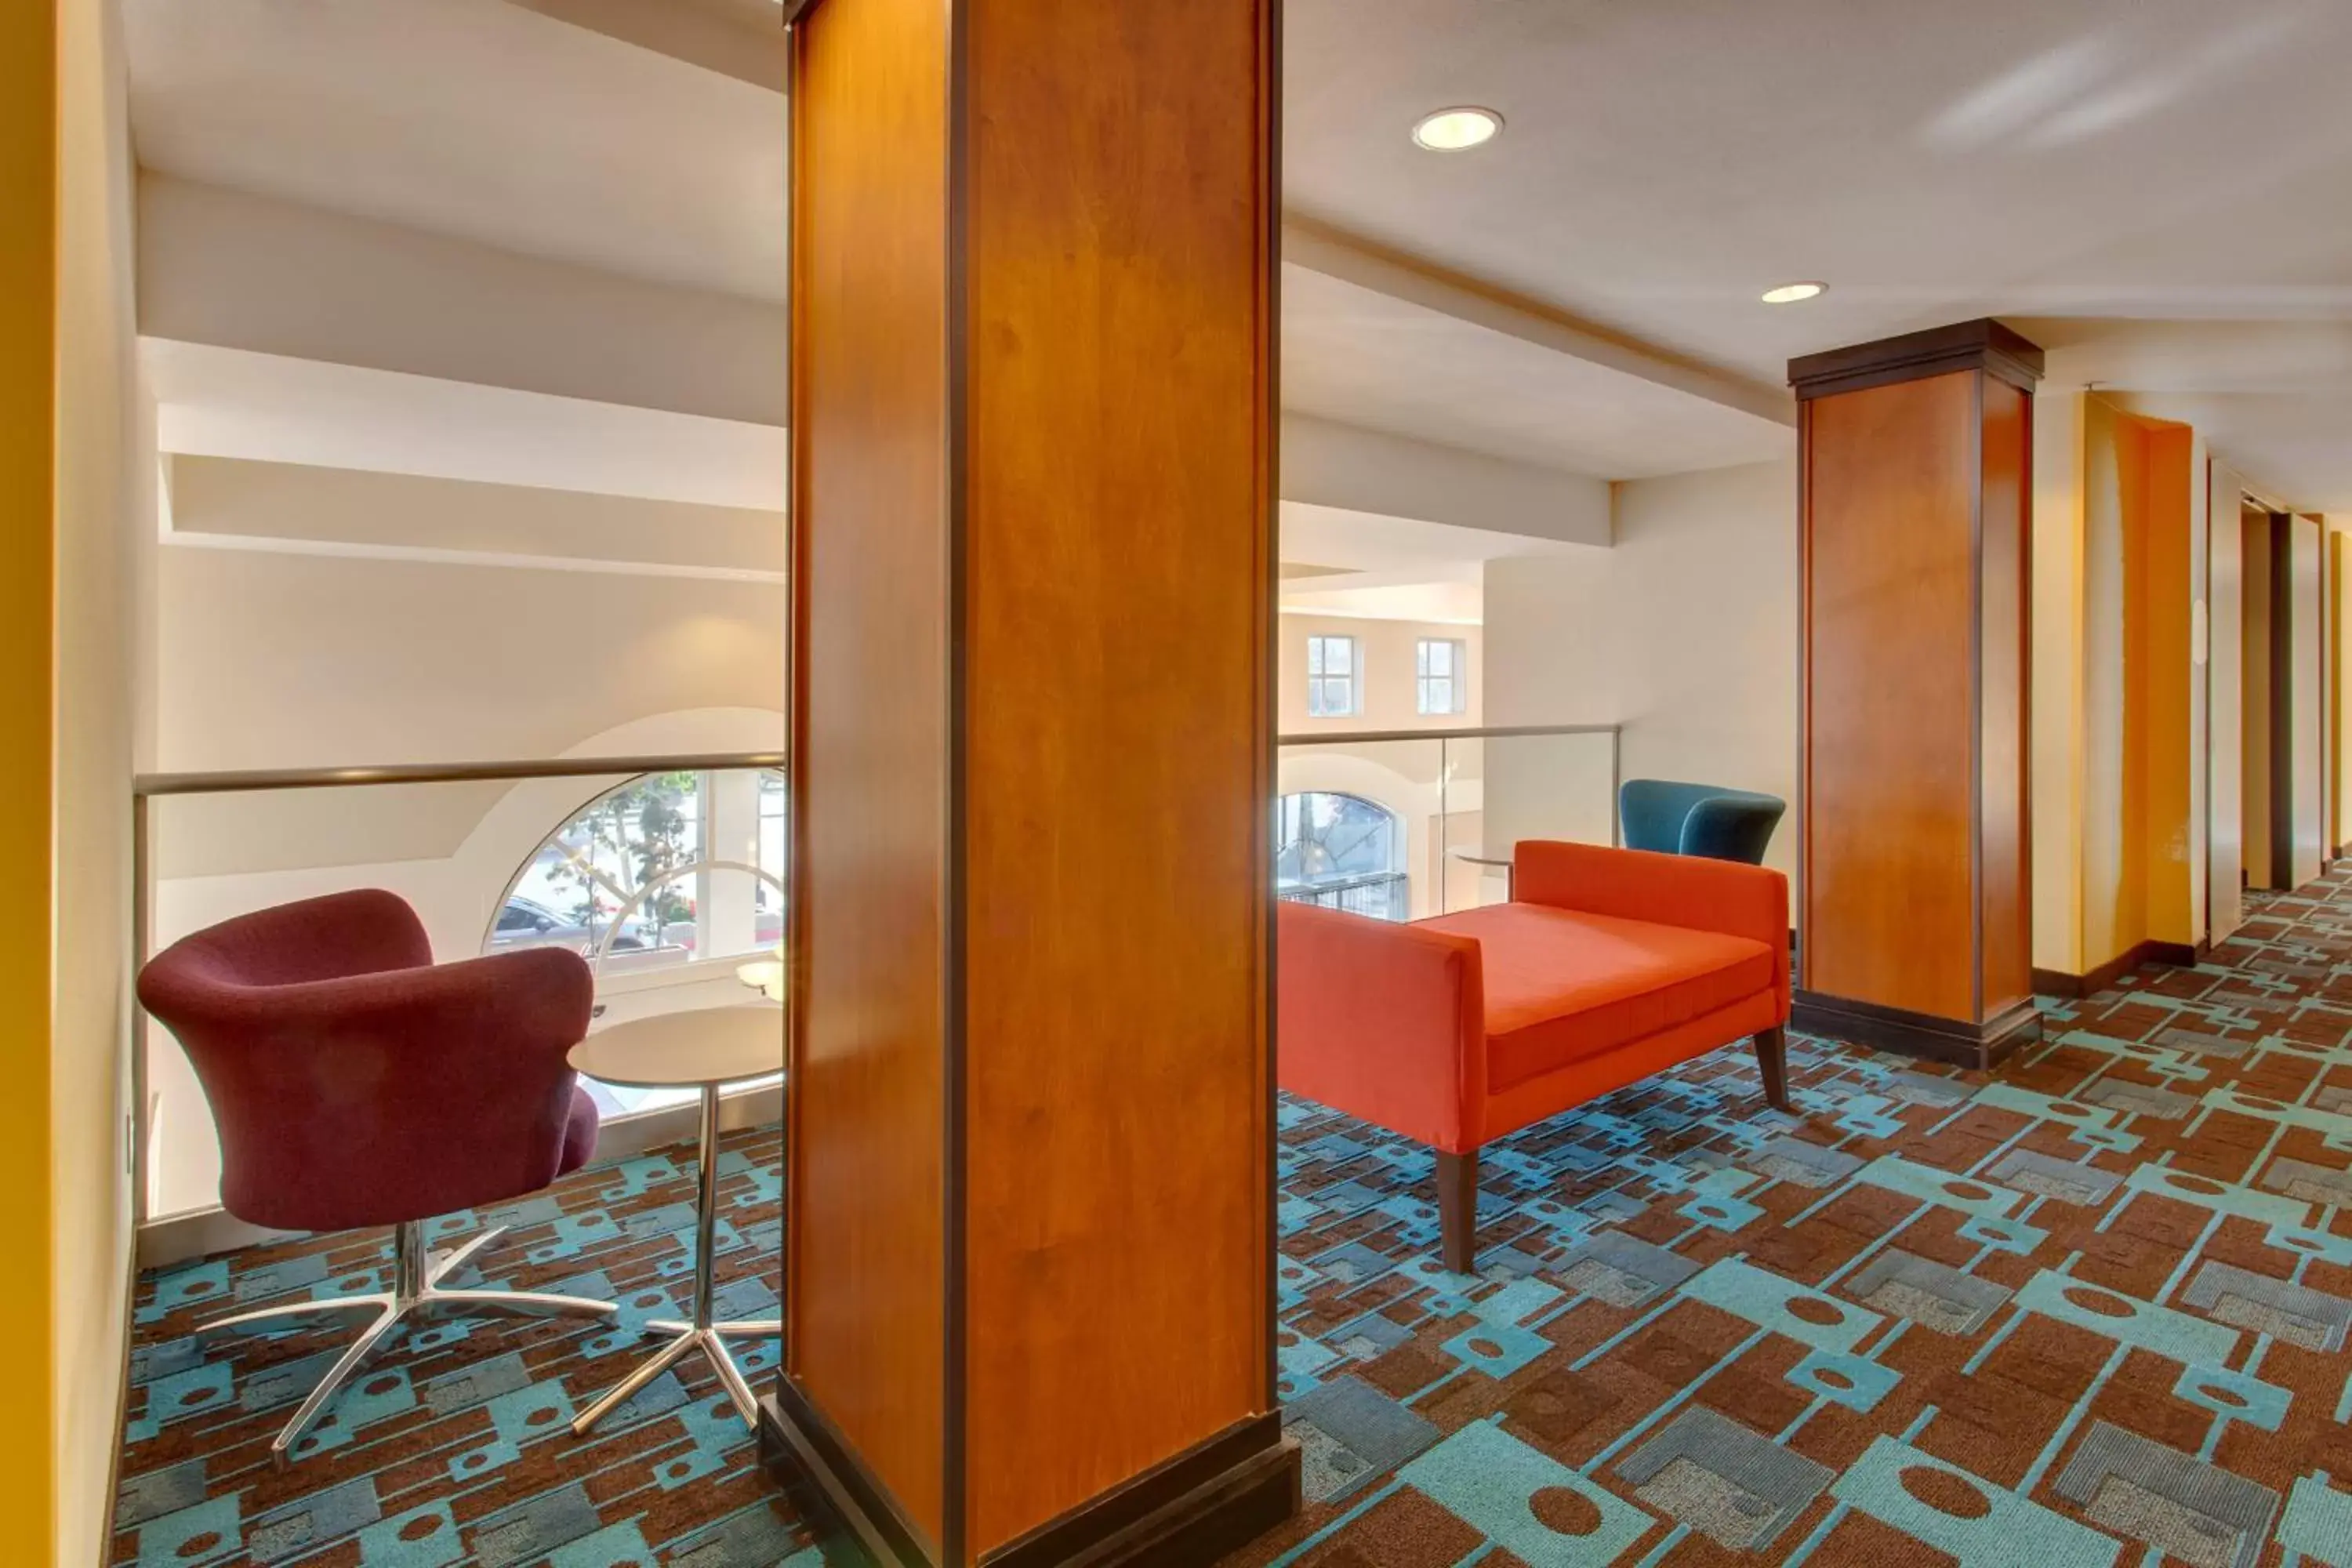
x=1331, y=678
x=664, y=870
x=1341, y=852
x=1441, y=676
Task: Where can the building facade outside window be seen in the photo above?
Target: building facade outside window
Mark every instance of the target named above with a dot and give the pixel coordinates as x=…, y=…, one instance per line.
x=1341, y=852
x=1331, y=689
x=1441, y=676
x=643, y=876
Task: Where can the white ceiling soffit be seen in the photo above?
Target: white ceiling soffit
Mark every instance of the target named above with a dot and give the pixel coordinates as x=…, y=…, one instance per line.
x=2274, y=398
x=231, y=403
x=1385, y=363
x=232, y=503
x=1663, y=164
x=478, y=119
x=1377, y=550
x=741, y=38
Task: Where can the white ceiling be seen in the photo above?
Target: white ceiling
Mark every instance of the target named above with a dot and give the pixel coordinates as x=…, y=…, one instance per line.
x=2080, y=162
x=1663, y=164
x=476, y=119
x=2083, y=161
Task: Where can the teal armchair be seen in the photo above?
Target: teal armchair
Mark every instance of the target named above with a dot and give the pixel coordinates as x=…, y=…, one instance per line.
x=1699, y=819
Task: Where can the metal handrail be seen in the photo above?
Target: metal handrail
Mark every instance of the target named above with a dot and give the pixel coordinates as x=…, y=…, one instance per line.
x=1493, y=732
x=232, y=781
x=147, y=788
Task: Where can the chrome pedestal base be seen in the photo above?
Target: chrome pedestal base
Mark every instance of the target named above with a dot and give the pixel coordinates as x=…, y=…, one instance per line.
x=415, y=1292
x=701, y=1334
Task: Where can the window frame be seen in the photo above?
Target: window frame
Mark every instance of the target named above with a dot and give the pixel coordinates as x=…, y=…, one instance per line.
x=1321, y=679
x=1455, y=681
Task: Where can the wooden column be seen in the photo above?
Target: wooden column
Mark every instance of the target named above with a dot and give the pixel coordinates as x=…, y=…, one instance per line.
x=1916, y=520
x=1029, y=1211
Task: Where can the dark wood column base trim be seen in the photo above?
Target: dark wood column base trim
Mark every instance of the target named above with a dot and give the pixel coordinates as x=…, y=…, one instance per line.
x=1211, y=1499
x=803, y=1454
x=1954, y=1040
x=2141, y=955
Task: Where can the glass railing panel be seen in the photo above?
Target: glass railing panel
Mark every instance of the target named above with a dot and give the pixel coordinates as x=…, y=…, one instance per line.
x=1358, y=826
x=1552, y=785
x=669, y=882
x=1401, y=825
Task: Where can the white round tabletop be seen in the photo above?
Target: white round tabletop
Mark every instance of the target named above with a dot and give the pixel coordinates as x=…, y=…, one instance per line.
x=675, y=1050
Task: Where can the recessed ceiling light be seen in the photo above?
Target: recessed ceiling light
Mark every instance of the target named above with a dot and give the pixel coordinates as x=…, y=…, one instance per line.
x=1789, y=293
x=1453, y=130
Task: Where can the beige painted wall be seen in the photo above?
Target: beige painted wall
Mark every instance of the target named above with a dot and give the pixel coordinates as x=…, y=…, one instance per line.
x=2058, y=752
x=1705, y=574
x=1552, y=658
x=276, y=660
x=100, y=475
x=1386, y=693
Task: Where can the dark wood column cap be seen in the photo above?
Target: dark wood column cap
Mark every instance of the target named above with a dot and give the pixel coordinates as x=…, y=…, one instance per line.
x=1982, y=344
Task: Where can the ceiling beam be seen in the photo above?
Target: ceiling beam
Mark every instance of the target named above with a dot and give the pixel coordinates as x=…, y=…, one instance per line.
x=741, y=38
x=1319, y=247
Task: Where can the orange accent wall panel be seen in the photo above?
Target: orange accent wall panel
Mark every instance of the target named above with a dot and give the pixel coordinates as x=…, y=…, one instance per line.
x=1116, y=600
x=867, y=1232
x=1890, y=475
x=2006, y=884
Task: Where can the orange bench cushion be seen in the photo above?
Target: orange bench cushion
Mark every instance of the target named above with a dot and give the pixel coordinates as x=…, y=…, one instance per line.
x=1563, y=985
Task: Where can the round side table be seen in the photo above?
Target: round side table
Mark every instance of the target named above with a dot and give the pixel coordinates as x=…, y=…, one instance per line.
x=701, y=1049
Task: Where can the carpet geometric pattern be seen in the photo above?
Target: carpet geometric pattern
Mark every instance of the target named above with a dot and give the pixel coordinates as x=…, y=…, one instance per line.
x=455, y=1447
x=2089, y=1309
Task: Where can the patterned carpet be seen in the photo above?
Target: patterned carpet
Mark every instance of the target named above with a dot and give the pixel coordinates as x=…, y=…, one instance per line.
x=456, y=1449
x=2092, y=1311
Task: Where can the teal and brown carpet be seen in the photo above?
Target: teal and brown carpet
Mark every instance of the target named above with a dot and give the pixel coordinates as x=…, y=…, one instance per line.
x=2092, y=1311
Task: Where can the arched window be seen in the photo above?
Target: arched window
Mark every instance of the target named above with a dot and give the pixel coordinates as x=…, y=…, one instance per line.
x=1343, y=852
x=665, y=869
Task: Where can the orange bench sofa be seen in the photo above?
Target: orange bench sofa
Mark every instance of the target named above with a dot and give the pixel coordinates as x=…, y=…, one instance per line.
x=1606, y=966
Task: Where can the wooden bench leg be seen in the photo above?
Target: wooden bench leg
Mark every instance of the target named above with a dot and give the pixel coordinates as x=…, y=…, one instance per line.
x=1772, y=1061
x=1457, y=1209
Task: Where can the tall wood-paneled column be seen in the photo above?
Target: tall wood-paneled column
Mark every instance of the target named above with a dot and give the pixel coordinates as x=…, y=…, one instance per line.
x=1029, y=1214
x=1915, y=519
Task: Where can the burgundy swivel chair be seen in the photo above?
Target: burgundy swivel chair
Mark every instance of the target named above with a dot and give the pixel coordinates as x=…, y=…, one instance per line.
x=356, y=1083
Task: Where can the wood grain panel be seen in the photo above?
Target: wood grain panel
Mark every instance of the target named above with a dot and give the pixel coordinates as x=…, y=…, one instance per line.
x=1890, y=621
x=2004, y=842
x=871, y=733
x=1118, y=598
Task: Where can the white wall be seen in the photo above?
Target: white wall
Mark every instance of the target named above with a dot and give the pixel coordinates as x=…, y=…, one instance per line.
x=1686, y=633
x=1551, y=658
x=1706, y=590
x=102, y=477
x=269, y=659
x=287, y=660
x=1386, y=693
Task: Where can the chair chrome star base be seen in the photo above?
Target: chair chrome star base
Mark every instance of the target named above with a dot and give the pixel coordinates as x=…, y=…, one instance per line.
x=416, y=1292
